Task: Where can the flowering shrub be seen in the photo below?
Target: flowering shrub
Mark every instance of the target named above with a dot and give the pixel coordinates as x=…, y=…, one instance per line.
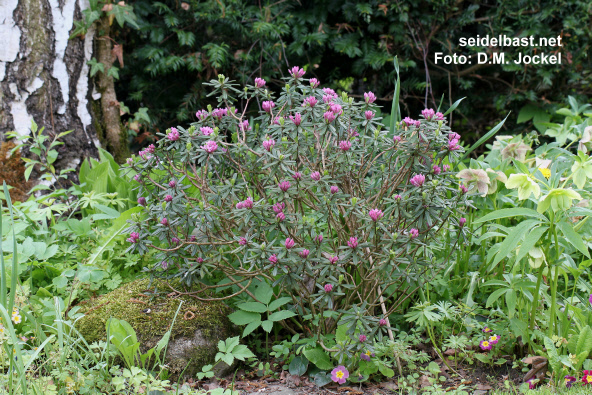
x=313, y=196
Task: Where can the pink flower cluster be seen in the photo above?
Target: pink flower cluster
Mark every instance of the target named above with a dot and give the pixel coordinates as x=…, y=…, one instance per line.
x=353, y=242
x=329, y=116
x=410, y=122
x=145, y=154
x=314, y=83
x=369, y=97
x=168, y=198
x=304, y=253
x=289, y=243
x=369, y=115
x=210, y=146
x=268, y=144
x=244, y=126
x=296, y=119
x=334, y=189
x=206, y=130
x=453, y=140
x=173, y=134
x=297, y=72
x=328, y=288
x=202, y=114
x=430, y=115
x=417, y=180
x=248, y=204
x=284, y=186
x=134, y=237
x=375, y=214
x=336, y=109
x=259, y=82
x=345, y=145
x=413, y=233
x=218, y=113
x=315, y=175
x=267, y=105
x=310, y=101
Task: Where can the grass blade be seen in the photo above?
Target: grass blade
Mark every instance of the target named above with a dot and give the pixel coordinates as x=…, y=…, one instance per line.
x=486, y=137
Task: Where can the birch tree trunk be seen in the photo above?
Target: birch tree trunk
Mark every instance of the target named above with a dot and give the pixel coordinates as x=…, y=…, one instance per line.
x=44, y=76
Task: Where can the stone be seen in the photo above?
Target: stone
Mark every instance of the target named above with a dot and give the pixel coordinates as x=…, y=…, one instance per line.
x=150, y=309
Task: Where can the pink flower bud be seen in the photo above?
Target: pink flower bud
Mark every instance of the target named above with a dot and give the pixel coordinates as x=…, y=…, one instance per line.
x=315, y=176
x=129, y=161
x=244, y=126
x=382, y=322
x=168, y=198
x=362, y=338
x=446, y=167
x=242, y=241
x=172, y=183
x=248, y=203
x=428, y=113
x=462, y=222
x=273, y=259
x=201, y=114
x=319, y=239
x=206, y=130
x=353, y=242
x=397, y=139
x=333, y=259
x=369, y=115
x=436, y=169
x=369, y=97
x=142, y=201
x=417, y=180
x=199, y=260
x=413, y=233
x=267, y=106
x=164, y=221
x=210, y=146
x=175, y=240
x=289, y=243
x=310, y=101
x=334, y=189
x=297, y=72
x=173, y=134
x=328, y=288
x=259, y=82
x=375, y=214
x=329, y=116
x=439, y=116
x=397, y=198
x=314, y=83
x=284, y=186
x=280, y=217
x=278, y=207
x=463, y=188
x=296, y=119
x=268, y=144
x=297, y=176
x=336, y=109
x=345, y=145
x=304, y=253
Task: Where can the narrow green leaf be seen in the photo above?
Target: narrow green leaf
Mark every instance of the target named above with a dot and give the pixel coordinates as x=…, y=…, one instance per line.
x=511, y=212
x=574, y=238
x=453, y=106
x=485, y=138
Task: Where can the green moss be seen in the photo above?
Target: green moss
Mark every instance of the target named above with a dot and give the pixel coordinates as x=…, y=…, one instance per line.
x=210, y=318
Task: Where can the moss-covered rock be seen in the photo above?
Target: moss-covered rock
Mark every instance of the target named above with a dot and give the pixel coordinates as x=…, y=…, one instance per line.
x=195, y=334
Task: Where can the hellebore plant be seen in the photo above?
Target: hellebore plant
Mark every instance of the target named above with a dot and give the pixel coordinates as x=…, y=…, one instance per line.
x=546, y=217
x=348, y=219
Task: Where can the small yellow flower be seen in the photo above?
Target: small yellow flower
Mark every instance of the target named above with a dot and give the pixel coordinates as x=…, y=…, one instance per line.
x=545, y=172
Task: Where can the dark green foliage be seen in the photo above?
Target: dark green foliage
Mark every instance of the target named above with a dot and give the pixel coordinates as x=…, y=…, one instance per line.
x=350, y=45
